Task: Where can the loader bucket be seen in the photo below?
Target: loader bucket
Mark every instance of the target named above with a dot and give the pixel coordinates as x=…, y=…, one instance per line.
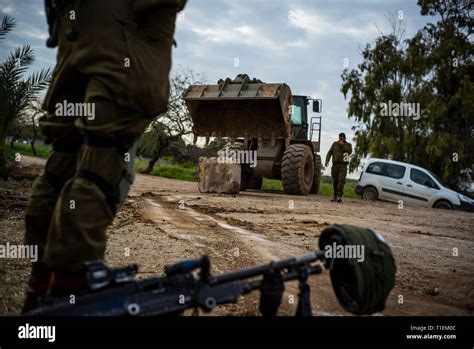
x=240, y=108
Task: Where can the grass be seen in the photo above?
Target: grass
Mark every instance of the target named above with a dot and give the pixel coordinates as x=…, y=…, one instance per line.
x=187, y=171
x=42, y=150
x=325, y=187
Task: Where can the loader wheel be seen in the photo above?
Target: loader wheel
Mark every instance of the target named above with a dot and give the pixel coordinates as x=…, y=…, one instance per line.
x=255, y=183
x=297, y=169
x=317, y=175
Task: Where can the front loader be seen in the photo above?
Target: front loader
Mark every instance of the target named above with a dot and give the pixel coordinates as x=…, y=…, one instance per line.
x=264, y=118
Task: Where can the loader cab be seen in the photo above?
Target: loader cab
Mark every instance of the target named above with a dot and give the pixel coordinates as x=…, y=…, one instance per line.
x=301, y=127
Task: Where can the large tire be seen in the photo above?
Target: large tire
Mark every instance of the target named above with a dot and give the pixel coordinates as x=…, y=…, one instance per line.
x=317, y=174
x=297, y=169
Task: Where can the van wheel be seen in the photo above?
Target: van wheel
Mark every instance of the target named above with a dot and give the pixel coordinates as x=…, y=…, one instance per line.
x=370, y=193
x=445, y=205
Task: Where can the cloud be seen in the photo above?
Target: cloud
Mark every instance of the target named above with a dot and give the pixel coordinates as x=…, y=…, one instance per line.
x=243, y=34
x=7, y=7
x=360, y=26
x=32, y=32
x=8, y=10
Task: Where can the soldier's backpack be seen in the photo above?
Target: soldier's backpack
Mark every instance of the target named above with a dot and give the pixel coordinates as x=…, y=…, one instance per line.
x=360, y=286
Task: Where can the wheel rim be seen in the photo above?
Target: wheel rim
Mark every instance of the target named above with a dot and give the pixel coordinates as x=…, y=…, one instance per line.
x=443, y=206
x=368, y=195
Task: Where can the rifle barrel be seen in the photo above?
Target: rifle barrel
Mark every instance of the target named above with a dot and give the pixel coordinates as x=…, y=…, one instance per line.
x=259, y=269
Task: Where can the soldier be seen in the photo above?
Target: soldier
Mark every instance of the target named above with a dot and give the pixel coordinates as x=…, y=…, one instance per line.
x=113, y=61
x=339, y=152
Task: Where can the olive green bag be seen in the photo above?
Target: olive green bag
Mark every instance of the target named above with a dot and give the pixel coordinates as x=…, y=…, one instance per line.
x=360, y=286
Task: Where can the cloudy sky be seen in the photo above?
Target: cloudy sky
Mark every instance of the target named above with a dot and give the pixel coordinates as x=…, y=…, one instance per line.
x=303, y=43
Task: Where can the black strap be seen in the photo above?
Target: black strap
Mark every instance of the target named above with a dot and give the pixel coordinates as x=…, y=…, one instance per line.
x=64, y=147
x=112, y=192
x=122, y=145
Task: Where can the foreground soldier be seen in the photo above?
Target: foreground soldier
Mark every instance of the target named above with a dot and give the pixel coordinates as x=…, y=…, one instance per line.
x=339, y=152
x=110, y=81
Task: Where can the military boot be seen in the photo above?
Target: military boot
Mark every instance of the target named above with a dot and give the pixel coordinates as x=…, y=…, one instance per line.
x=65, y=284
x=37, y=286
x=339, y=198
x=334, y=199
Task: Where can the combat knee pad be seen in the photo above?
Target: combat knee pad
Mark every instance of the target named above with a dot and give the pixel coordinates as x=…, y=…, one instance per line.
x=61, y=163
x=109, y=164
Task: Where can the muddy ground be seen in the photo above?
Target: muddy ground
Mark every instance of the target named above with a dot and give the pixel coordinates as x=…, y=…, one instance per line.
x=165, y=220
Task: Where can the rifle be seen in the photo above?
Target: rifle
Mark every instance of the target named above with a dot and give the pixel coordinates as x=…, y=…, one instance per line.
x=116, y=292
x=360, y=287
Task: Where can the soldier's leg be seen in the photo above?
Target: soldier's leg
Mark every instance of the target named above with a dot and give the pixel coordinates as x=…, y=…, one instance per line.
x=341, y=181
x=60, y=166
x=89, y=201
x=334, y=175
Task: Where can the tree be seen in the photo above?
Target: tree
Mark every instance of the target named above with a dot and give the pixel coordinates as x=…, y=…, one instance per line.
x=26, y=125
x=17, y=92
x=170, y=127
x=434, y=71
x=446, y=52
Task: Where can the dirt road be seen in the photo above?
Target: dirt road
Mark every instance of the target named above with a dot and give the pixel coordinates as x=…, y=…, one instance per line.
x=165, y=220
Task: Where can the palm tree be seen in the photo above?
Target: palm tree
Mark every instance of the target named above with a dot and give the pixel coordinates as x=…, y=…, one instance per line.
x=17, y=92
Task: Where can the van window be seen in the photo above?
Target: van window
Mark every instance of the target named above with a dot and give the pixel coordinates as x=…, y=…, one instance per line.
x=422, y=178
x=387, y=170
x=375, y=168
x=394, y=171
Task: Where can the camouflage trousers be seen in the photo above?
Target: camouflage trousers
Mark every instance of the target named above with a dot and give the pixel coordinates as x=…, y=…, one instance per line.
x=338, y=174
x=121, y=73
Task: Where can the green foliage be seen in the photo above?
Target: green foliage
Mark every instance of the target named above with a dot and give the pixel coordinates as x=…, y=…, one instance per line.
x=433, y=68
x=42, y=150
x=272, y=184
x=168, y=129
x=16, y=91
x=186, y=171
x=176, y=172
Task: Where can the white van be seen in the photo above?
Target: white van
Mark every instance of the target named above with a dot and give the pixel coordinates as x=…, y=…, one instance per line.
x=393, y=181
